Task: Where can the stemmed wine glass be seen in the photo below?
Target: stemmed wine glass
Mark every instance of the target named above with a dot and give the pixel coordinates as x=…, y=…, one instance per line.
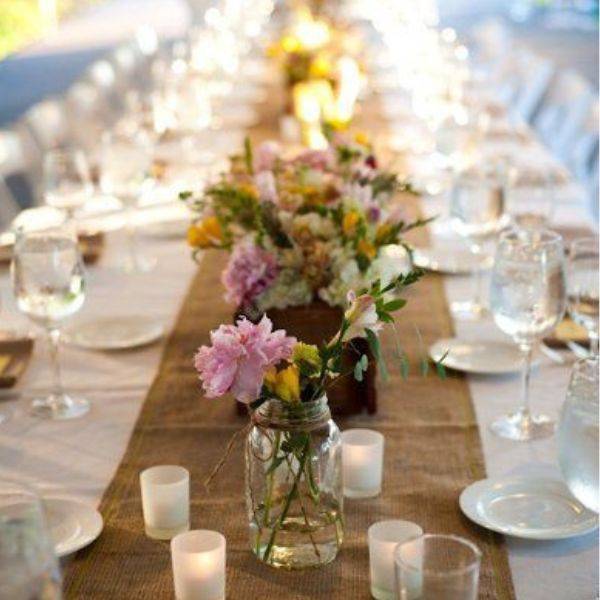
x=583, y=287
x=48, y=284
x=125, y=173
x=66, y=180
x=28, y=565
x=528, y=300
x=476, y=213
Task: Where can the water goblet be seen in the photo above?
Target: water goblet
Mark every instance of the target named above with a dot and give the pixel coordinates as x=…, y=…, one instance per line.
x=49, y=286
x=583, y=287
x=528, y=300
x=28, y=566
x=66, y=179
x=578, y=434
x=125, y=174
x=477, y=214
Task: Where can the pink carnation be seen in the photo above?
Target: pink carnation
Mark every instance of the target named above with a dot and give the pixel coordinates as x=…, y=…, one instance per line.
x=249, y=272
x=239, y=356
x=265, y=156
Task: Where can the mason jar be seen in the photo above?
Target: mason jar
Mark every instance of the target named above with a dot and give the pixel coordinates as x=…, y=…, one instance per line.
x=294, y=492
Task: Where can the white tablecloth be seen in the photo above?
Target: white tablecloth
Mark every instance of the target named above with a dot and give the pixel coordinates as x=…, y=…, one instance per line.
x=78, y=458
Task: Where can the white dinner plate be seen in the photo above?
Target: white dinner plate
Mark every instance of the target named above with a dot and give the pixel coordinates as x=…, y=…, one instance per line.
x=481, y=357
x=450, y=259
x=533, y=508
x=72, y=524
x=114, y=333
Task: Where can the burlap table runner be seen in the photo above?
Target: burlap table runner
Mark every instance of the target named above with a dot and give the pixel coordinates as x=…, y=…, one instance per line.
x=432, y=452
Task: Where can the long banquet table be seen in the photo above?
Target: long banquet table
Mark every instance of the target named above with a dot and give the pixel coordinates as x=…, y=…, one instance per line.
x=79, y=458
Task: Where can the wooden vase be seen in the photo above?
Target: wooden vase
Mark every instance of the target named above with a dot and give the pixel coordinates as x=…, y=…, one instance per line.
x=317, y=323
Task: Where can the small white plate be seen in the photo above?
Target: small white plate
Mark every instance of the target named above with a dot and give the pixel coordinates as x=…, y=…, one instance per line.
x=73, y=524
x=114, y=333
x=450, y=260
x=481, y=357
x=531, y=508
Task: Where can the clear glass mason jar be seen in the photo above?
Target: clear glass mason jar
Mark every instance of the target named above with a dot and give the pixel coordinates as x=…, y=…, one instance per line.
x=294, y=491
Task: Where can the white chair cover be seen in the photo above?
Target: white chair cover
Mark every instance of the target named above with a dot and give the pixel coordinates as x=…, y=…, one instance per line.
x=563, y=107
x=8, y=206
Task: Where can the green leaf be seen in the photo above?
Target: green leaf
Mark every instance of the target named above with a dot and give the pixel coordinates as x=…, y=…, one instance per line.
x=375, y=346
x=424, y=367
x=358, y=371
x=364, y=362
x=394, y=305
x=248, y=155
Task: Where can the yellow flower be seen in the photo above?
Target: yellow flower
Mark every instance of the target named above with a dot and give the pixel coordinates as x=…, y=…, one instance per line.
x=285, y=384
x=320, y=68
x=249, y=189
x=307, y=356
x=205, y=234
x=362, y=138
x=382, y=232
x=349, y=222
x=365, y=247
x=290, y=44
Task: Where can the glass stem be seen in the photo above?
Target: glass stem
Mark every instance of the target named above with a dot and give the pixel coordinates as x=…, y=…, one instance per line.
x=527, y=351
x=53, y=345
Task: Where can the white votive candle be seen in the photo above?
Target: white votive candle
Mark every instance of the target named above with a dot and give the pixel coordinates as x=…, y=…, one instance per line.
x=362, y=460
x=198, y=559
x=384, y=536
x=165, y=501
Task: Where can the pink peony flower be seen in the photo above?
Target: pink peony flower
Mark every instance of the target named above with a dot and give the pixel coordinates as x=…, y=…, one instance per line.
x=239, y=356
x=265, y=156
x=267, y=187
x=249, y=272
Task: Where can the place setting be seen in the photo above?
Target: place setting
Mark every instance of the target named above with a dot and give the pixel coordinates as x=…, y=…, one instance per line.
x=299, y=300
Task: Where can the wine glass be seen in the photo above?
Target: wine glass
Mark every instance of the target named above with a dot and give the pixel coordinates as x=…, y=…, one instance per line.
x=528, y=300
x=530, y=204
x=28, y=565
x=66, y=179
x=578, y=434
x=583, y=287
x=476, y=214
x=48, y=284
x=125, y=173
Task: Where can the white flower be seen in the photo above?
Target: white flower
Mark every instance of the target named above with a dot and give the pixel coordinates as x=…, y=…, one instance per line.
x=362, y=315
x=267, y=187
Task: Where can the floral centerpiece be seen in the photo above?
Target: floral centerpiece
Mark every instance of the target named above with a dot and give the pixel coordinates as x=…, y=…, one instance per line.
x=302, y=231
x=308, y=227
x=293, y=450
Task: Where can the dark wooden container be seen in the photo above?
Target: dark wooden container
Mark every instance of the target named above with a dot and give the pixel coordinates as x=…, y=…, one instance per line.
x=317, y=323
